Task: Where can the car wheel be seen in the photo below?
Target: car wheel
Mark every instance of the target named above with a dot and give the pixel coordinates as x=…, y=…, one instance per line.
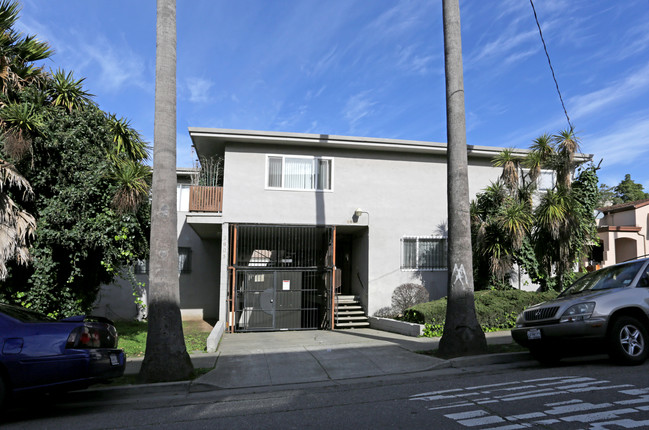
x=545, y=356
x=628, y=341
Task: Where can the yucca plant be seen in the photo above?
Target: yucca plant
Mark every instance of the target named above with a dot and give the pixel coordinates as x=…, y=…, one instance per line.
x=127, y=141
x=19, y=122
x=510, y=163
x=133, y=184
x=67, y=92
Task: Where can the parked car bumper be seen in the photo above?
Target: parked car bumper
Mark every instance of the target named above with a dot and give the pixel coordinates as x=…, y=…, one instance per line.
x=561, y=334
x=78, y=369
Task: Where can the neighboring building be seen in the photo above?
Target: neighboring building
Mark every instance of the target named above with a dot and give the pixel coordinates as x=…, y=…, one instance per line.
x=623, y=231
x=303, y=218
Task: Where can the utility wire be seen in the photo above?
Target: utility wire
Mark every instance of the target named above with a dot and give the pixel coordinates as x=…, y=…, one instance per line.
x=550, y=64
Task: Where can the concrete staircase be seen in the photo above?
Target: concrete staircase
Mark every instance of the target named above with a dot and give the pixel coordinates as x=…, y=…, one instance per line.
x=349, y=313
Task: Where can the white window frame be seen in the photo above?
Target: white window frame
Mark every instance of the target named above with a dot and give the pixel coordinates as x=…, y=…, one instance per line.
x=420, y=266
x=304, y=157
x=543, y=178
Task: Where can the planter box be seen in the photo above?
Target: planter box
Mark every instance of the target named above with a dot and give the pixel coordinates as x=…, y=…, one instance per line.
x=394, y=326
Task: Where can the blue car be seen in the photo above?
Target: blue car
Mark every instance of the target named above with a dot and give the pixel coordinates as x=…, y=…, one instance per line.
x=40, y=353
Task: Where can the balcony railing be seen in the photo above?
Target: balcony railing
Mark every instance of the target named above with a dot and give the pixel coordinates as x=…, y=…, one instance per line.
x=205, y=199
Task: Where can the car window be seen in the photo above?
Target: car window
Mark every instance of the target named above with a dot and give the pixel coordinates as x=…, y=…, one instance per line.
x=24, y=315
x=644, y=281
x=607, y=278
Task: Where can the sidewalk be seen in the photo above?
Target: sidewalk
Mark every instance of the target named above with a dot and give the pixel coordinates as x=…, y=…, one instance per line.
x=247, y=360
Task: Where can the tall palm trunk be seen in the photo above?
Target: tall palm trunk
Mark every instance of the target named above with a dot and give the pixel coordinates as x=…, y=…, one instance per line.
x=166, y=357
x=462, y=333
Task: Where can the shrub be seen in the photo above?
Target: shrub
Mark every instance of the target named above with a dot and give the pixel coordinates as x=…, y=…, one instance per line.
x=408, y=295
x=495, y=309
x=386, y=312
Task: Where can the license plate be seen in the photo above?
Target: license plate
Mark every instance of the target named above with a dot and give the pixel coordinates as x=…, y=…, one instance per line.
x=114, y=361
x=533, y=333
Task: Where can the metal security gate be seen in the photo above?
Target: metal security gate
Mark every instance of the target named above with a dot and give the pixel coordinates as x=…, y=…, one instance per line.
x=280, y=277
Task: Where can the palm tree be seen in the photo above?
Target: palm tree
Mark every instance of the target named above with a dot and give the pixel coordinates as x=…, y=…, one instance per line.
x=18, y=52
x=17, y=226
x=462, y=333
x=166, y=357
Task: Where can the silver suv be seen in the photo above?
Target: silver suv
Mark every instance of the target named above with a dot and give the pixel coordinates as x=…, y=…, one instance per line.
x=606, y=310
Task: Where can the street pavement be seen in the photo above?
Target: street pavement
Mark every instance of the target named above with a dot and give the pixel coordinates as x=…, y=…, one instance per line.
x=245, y=360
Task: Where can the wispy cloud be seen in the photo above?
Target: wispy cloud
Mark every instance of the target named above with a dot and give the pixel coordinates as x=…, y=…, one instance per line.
x=622, y=145
x=637, y=41
x=199, y=89
x=504, y=46
x=358, y=107
x=410, y=60
x=118, y=65
x=606, y=97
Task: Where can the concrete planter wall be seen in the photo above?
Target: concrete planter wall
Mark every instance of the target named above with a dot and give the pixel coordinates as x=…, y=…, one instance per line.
x=394, y=326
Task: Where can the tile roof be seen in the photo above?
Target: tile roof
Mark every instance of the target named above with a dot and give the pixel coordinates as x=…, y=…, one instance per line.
x=624, y=206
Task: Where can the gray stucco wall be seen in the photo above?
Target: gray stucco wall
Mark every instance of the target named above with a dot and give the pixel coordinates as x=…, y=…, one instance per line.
x=199, y=289
x=404, y=195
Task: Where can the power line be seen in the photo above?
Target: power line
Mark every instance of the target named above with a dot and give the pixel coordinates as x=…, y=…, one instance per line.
x=550, y=64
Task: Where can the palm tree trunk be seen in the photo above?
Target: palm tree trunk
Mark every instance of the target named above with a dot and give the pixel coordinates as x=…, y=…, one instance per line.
x=462, y=333
x=166, y=357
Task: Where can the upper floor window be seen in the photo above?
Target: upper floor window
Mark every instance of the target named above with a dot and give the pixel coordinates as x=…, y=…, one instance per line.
x=299, y=173
x=423, y=253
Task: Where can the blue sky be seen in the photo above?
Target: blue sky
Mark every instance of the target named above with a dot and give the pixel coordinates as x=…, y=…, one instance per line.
x=371, y=68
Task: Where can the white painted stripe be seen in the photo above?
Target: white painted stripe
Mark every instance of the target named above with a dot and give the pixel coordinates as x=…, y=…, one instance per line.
x=571, y=380
x=525, y=416
x=458, y=405
x=492, y=419
x=624, y=423
x=469, y=414
x=569, y=402
x=530, y=396
x=431, y=398
x=510, y=427
x=589, y=389
x=598, y=416
x=554, y=378
x=546, y=422
x=636, y=392
x=502, y=384
x=569, y=409
x=435, y=393
x=643, y=399
x=540, y=390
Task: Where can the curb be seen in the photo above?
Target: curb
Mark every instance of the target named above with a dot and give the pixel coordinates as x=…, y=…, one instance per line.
x=193, y=386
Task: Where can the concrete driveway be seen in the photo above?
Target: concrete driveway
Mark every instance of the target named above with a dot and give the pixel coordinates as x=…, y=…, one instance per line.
x=278, y=358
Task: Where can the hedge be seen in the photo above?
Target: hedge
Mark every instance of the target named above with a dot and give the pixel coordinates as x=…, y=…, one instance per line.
x=495, y=309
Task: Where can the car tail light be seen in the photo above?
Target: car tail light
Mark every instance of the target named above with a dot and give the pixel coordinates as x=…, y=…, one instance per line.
x=91, y=336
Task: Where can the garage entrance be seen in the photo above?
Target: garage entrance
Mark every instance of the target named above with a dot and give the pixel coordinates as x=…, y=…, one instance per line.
x=280, y=277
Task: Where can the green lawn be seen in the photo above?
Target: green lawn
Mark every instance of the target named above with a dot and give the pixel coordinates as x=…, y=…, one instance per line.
x=132, y=337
